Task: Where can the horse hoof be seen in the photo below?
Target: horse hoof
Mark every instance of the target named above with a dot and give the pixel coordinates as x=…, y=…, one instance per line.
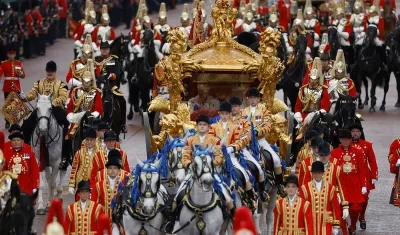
x=382, y=108
x=372, y=109
x=361, y=106
x=41, y=212
x=397, y=105
x=366, y=102
x=130, y=116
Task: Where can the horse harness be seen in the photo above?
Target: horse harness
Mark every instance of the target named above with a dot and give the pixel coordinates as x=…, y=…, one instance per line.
x=179, y=145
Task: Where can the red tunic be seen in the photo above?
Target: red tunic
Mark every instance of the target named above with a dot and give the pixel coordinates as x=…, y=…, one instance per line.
x=95, y=36
x=394, y=156
x=317, y=30
x=284, y=14
x=97, y=105
x=236, y=3
x=354, y=175
x=392, y=3
x=9, y=69
x=29, y=23
x=78, y=34
x=7, y=145
x=157, y=37
x=133, y=29
x=73, y=67
x=62, y=8
x=325, y=102
x=78, y=222
x=23, y=163
x=38, y=19
x=293, y=220
x=309, y=67
x=325, y=206
x=370, y=161
x=2, y=146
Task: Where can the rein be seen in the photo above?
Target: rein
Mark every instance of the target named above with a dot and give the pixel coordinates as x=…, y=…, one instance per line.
x=48, y=137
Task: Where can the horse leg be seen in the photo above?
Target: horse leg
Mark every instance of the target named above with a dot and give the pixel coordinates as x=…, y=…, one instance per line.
x=130, y=114
x=385, y=89
x=60, y=184
x=41, y=210
x=397, y=76
x=373, y=98
x=270, y=210
x=365, y=81
x=51, y=183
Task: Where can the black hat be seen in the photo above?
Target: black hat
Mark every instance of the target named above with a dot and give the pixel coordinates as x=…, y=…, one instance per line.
x=26, y=6
x=311, y=134
x=246, y=38
x=11, y=48
x=292, y=179
x=234, y=100
x=318, y=128
x=316, y=141
x=203, y=118
x=317, y=166
x=325, y=56
x=324, y=148
x=91, y=133
x=83, y=185
x=110, y=135
x=103, y=126
x=15, y=127
x=225, y=107
x=345, y=133
x=253, y=92
x=355, y=125
x=16, y=135
x=51, y=66
x=104, y=44
x=114, y=158
x=35, y=3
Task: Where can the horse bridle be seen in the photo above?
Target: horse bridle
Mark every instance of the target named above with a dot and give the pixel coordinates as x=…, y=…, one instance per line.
x=206, y=168
x=48, y=119
x=178, y=145
x=148, y=192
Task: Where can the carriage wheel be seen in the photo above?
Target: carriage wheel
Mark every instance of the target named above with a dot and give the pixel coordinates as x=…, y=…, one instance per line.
x=156, y=123
x=147, y=133
x=290, y=117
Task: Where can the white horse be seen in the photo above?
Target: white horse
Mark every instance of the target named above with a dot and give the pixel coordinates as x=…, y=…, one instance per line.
x=51, y=133
x=175, y=148
x=201, y=208
x=145, y=216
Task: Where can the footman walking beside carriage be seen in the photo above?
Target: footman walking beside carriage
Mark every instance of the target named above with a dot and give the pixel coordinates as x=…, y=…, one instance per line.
x=394, y=164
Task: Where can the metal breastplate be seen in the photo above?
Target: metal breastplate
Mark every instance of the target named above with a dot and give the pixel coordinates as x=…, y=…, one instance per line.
x=315, y=98
x=87, y=99
x=337, y=87
x=104, y=33
x=79, y=68
x=358, y=20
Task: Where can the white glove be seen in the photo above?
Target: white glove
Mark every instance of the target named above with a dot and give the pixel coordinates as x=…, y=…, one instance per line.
x=95, y=114
x=78, y=43
x=298, y=117
x=374, y=181
x=34, y=190
x=345, y=213
x=363, y=190
x=335, y=231
x=71, y=190
x=344, y=35
x=70, y=116
x=74, y=82
x=133, y=42
x=322, y=110
x=397, y=163
x=316, y=37
x=230, y=150
x=22, y=95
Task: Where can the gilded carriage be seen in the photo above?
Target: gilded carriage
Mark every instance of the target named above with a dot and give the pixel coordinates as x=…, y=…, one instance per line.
x=223, y=68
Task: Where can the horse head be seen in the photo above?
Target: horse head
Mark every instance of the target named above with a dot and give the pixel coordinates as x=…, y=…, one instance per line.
x=300, y=48
x=175, y=153
x=345, y=109
x=22, y=213
x=148, y=38
x=372, y=32
x=149, y=182
x=203, y=168
x=44, y=112
x=333, y=39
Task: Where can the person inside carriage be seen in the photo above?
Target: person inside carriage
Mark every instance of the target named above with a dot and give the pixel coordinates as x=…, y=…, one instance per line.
x=203, y=100
x=313, y=97
x=340, y=82
x=313, y=28
x=375, y=20
x=58, y=92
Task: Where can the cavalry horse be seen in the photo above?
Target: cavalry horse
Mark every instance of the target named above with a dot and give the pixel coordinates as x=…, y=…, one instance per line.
x=18, y=214
x=393, y=59
x=370, y=64
x=47, y=140
x=333, y=40
x=294, y=72
x=140, y=75
x=119, y=48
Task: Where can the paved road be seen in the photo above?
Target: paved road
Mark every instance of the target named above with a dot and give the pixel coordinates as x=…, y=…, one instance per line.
x=380, y=127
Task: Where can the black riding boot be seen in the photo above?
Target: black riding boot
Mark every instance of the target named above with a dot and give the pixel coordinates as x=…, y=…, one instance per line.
x=122, y=103
x=232, y=212
x=250, y=195
x=65, y=152
x=278, y=183
x=170, y=220
x=261, y=190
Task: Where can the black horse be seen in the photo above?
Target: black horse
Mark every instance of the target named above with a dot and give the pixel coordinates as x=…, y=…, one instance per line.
x=18, y=214
x=370, y=64
x=334, y=41
x=293, y=74
x=345, y=111
x=119, y=47
x=393, y=59
x=140, y=75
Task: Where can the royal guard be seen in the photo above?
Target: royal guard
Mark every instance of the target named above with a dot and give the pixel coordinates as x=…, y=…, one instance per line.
x=323, y=199
x=274, y=21
x=29, y=31
x=382, y=4
x=8, y=183
x=137, y=22
x=40, y=47
x=241, y=14
x=358, y=19
x=375, y=19
x=394, y=167
x=85, y=100
x=293, y=214
x=260, y=117
x=340, y=82
x=162, y=27
x=101, y=156
x=305, y=151
x=248, y=23
x=15, y=128
x=185, y=21
x=314, y=96
x=83, y=161
x=354, y=177
x=86, y=27
x=108, y=67
x=22, y=162
x=106, y=189
x=313, y=28
x=55, y=218
x=297, y=30
x=286, y=8
x=82, y=216
x=78, y=67
x=324, y=14
x=103, y=32
x=12, y=70
x=370, y=160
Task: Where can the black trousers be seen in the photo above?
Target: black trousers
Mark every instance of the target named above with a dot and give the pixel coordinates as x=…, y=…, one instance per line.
x=62, y=28
x=27, y=49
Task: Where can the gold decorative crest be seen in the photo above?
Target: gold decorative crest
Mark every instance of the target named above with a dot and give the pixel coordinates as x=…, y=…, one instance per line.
x=14, y=109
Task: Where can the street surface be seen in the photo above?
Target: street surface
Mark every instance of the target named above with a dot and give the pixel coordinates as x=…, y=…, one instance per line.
x=381, y=128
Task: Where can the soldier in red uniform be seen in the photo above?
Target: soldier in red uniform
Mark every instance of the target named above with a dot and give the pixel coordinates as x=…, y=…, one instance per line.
x=248, y=25
x=41, y=30
x=354, y=177
x=370, y=160
x=374, y=19
x=12, y=70
x=313, y=96
x=22, y=162
x=78, y=67
x=323, y=200
x=15, y=128
x=29, y=31
x=285, y=13
x=63, y=15
x=392, y=3
x=394, y=166
x=81, y=216
x=103, y=32
x=313, y=28
x=292, y=214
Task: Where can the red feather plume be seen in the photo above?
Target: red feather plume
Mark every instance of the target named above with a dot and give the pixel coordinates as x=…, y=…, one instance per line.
x=103, y=225
x=243, y=222
x=327, y=48
x=56, y=211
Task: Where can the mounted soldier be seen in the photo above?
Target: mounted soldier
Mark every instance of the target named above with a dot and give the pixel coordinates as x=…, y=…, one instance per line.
x=162, y=27
x=375, y=20
x=103, y=32
x=185, y=21
x=86, y=27
x=313, y=28
x=324, y=13
x=147, y=24
x=297, y=30
x=358, y=19
x=248, y=23
x=274, y=22
x=137, y=22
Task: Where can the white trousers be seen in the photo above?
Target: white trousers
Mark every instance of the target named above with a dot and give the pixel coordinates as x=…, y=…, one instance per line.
x=265, y=145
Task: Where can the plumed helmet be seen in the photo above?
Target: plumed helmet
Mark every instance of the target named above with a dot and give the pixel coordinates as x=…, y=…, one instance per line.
x=308, y=9
x=316, y=71
x=273, y=16
x=104, y=13
x=340, y=63
x=243, y=222
x=162, y=13
x=87, y=46
x=185, y=12
x=359, y=5
x=89, y=74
